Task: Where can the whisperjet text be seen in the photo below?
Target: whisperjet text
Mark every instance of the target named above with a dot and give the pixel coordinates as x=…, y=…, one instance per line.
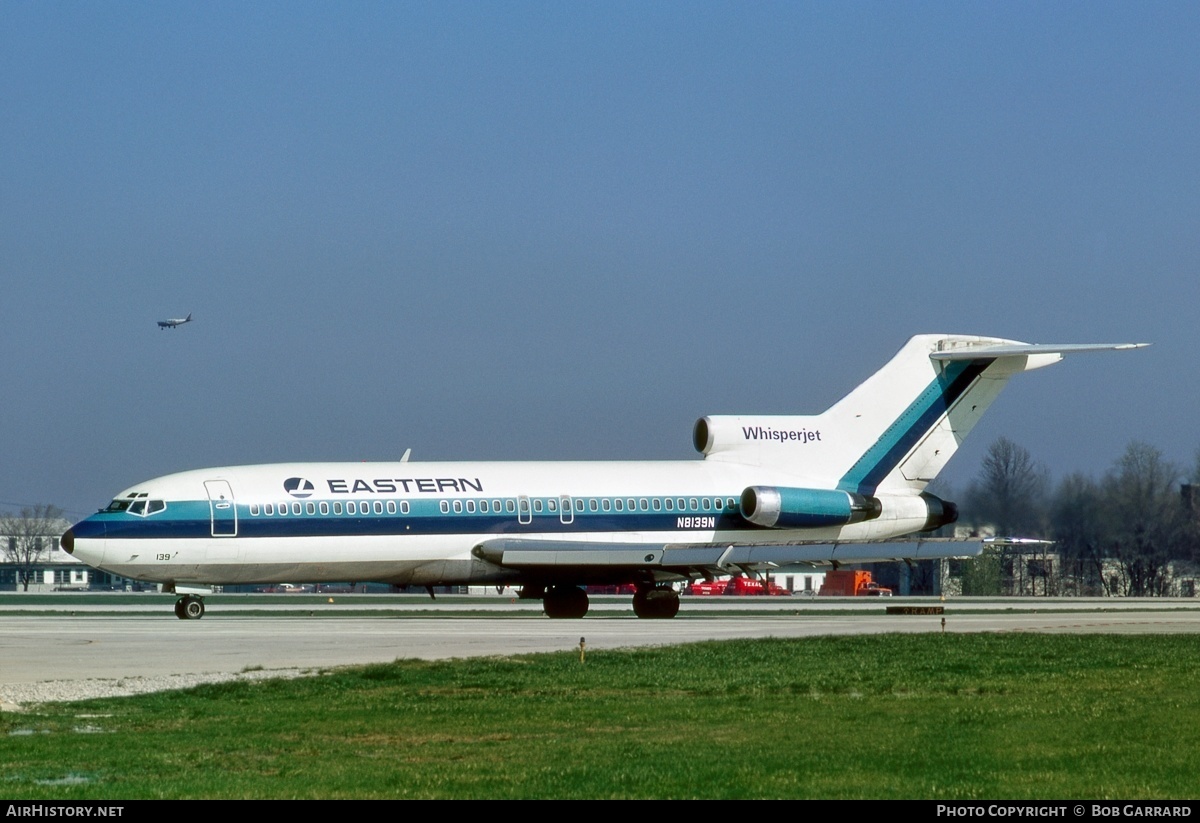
x=761, y=433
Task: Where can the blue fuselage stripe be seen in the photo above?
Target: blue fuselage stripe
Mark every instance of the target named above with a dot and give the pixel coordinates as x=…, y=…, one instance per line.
x=128, y=527
x=917, y=420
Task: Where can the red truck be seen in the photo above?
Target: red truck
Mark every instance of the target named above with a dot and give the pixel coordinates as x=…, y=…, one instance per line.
x=851, y=583
x=741, y=586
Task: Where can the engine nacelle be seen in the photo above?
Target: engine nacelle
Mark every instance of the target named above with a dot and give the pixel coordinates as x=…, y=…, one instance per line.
x=941, y=512
x=779, y=507
x=916, y=512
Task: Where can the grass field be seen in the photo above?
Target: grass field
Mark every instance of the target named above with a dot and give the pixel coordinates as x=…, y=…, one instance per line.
x=991, y=716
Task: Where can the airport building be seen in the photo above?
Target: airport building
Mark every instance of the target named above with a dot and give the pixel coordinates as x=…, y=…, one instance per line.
x=31, y=560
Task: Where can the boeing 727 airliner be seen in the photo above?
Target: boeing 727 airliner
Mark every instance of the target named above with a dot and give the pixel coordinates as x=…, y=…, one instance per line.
x=770, y=491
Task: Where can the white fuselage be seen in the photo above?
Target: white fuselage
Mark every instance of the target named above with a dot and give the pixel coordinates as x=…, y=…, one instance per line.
x=417, y=523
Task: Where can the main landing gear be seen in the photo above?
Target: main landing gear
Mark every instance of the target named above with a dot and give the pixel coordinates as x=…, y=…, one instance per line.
x=189, y=607
x=659, y=602
x=565, y=601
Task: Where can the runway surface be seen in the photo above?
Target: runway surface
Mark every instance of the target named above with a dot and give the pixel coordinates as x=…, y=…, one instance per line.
x=81, y=644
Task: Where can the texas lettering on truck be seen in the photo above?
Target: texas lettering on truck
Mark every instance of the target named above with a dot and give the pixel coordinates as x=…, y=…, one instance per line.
x=847, y=485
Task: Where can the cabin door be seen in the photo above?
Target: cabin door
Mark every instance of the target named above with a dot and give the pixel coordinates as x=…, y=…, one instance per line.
x=221, y=508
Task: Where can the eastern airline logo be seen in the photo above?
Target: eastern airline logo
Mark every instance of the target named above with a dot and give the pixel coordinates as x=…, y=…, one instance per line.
x=298, y=487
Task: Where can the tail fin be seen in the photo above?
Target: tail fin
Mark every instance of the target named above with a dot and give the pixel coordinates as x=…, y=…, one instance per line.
x=896, y=430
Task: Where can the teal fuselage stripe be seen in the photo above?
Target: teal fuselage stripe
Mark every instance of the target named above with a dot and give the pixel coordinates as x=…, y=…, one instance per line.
x=191, y=519
x=917, y=420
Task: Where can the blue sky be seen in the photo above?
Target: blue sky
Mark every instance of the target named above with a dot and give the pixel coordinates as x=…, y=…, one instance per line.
x=567, y=230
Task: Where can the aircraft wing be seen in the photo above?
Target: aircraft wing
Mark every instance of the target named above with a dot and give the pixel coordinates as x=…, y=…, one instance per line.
x=695, y=560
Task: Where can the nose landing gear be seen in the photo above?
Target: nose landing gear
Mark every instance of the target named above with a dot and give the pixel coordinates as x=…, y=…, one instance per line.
x=189, y=607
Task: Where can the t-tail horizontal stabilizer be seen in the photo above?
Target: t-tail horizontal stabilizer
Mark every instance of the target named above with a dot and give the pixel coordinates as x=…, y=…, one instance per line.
x=1025, y=349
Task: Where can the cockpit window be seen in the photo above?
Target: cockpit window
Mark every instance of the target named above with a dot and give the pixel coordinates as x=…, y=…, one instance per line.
x=120, y=505
x=145, y=508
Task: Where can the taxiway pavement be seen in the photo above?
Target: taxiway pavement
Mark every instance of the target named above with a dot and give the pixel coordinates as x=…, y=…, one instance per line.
x=78, y=645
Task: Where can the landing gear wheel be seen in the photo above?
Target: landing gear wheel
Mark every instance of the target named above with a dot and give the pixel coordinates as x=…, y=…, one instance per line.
x=565, y=602
x=658, y=603
x=189, y=607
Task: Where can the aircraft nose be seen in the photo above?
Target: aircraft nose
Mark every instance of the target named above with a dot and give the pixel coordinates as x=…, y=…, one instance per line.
x=85, y=541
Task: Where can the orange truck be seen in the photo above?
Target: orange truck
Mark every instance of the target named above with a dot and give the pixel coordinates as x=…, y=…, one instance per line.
x=851, y=583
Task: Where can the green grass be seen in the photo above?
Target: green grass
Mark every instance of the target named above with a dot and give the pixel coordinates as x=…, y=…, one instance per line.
x=927, y=716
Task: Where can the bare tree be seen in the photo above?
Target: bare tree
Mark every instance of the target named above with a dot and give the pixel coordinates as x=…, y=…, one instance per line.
x=1009, y=491
x=1078, y=532
x=1190, y=499
x=27, y=535
x=1010, y=495
x=1143, y=520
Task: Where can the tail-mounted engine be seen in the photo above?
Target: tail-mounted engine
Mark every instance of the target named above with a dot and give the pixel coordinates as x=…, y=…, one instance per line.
x=941, y=512
x=779, y=507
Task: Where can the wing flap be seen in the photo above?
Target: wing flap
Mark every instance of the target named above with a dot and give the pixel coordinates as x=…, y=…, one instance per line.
x=543, y=554
x=529, y=553
x=819, y=553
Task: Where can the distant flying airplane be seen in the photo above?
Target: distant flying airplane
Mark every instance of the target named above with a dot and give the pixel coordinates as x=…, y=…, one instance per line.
x=770, y=491
x=174, y=321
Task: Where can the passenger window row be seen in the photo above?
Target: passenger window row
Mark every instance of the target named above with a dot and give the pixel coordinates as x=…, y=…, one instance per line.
x=540, y=505
x=590, y=505
x=324, y=507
